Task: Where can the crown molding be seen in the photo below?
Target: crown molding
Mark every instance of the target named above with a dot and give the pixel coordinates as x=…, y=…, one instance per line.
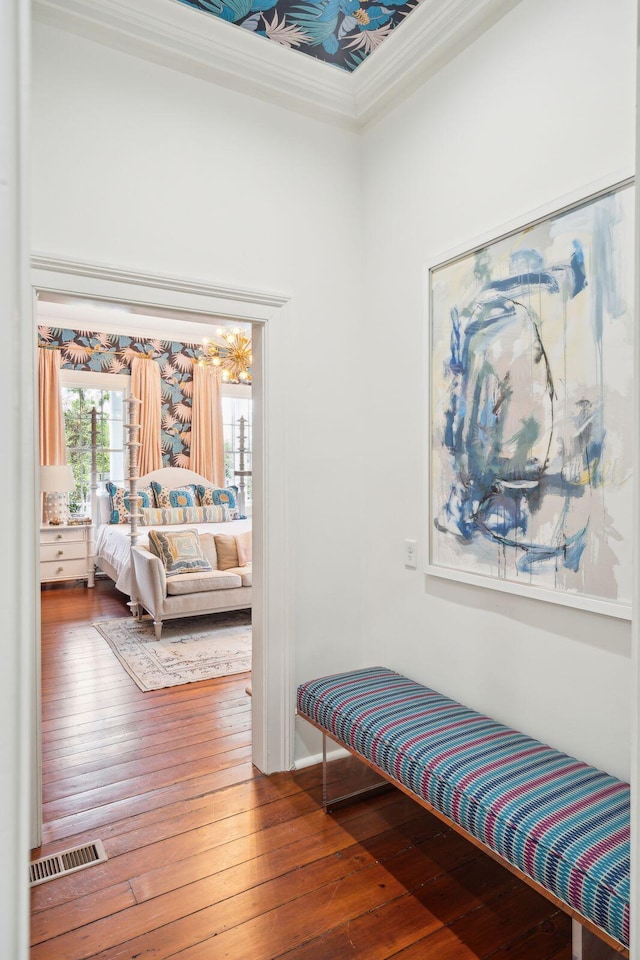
x=434, y=33
x=196, y=43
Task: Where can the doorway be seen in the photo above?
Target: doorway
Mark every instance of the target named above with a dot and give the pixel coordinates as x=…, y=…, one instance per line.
x=193, y=306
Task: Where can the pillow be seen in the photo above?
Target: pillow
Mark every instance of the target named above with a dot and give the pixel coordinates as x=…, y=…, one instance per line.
x=178, y=497
x=233, y=551
x=227, y=551
x=120, y=504
x=164, y=516
x=243, y=547
x=208, y=544
x=180, y=551
x=219, y=497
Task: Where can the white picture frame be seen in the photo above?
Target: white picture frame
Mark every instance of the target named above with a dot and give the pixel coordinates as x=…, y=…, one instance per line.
x=529, y=447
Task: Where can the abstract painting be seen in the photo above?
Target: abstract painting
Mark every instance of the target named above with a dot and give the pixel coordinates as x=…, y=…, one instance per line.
x=530, y=408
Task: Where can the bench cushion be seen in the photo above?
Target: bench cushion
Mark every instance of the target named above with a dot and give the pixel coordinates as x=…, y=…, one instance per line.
x=563, y=823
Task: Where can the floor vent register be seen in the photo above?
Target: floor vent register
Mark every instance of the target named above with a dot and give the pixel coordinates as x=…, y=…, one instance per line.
x=65, y=862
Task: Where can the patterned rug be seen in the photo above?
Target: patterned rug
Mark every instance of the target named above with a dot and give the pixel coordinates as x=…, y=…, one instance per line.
x=195, y=648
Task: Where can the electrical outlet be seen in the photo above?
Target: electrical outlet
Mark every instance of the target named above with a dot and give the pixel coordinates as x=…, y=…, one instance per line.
x=410, y=554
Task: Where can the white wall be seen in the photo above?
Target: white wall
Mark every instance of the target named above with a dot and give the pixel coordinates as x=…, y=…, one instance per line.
x=538, y=107
x=139, y=166
x=142, y=167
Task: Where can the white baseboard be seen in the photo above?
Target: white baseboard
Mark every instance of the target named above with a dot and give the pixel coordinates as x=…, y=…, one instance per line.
x=317, y=758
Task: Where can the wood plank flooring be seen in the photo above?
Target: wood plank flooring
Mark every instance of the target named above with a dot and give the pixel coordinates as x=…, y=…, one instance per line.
x=210, y=860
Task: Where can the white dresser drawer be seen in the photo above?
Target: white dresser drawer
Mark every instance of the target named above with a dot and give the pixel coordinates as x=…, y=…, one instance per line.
x=63, y=570
x=64, y=550
x=65, y=535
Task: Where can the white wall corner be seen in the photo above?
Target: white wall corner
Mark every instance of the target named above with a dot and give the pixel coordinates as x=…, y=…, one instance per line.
x=437, y=31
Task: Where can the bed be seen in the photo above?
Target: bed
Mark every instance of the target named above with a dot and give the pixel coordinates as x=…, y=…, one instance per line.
x=114, y=541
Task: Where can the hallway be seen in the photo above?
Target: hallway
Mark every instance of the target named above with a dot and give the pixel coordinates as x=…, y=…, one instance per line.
x=209, y=859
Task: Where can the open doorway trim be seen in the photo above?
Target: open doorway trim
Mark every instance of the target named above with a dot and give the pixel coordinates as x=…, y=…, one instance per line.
x=272, y=701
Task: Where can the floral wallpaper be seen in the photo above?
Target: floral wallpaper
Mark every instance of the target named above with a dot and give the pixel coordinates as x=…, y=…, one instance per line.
x=112, y=353
x=341, y=32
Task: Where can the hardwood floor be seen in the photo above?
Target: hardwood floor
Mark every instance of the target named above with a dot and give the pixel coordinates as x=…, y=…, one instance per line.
x=209, y=859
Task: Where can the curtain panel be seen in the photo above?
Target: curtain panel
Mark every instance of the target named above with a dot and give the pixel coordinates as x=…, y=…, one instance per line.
x=145, y=385
x=53, y=447
x=207, y=443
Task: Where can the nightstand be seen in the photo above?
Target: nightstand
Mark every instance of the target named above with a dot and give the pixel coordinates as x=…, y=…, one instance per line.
x=66, y=553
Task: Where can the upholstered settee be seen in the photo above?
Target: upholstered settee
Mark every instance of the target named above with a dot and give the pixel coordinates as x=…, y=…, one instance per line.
x=196, y=592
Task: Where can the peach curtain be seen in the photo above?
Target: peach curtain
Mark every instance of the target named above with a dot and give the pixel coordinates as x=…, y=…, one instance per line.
x=53, y=448
x=207, y=444
x=145, y=385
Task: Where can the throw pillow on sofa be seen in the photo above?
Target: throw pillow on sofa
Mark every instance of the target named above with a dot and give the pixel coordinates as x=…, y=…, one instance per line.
x=233, y=551
x=180, y=551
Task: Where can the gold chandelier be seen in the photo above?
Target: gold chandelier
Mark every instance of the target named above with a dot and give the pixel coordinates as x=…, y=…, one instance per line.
x=230, y=350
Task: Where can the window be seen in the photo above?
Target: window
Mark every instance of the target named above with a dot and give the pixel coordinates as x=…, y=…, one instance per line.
x=81, y=393
x=236, y=404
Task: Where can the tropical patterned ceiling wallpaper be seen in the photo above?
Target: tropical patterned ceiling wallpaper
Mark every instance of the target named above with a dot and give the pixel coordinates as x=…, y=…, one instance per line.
x=112, y=353
x=341, y=32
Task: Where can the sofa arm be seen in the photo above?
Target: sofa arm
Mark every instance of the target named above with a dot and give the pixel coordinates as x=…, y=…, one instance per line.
x=151, y=580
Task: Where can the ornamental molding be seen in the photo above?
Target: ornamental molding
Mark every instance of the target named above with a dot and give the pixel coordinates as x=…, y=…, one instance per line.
x=61, y=266
x=191, y=41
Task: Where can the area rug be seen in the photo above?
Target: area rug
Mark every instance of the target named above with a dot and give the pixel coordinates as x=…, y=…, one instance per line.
x=196, y=648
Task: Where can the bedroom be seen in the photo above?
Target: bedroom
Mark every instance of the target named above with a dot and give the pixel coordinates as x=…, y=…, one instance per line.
x=343, y=221
x=195, y=416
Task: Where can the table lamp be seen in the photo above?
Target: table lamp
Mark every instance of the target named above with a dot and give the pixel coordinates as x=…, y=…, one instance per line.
x=56, y=482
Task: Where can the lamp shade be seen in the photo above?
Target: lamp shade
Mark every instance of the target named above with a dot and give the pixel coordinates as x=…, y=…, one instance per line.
x=56, y=479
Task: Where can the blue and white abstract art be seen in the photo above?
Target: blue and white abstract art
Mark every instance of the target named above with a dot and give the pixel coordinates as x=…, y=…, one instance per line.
x=531, y=367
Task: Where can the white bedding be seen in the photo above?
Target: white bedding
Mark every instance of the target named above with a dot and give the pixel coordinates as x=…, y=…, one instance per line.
x=113, y=544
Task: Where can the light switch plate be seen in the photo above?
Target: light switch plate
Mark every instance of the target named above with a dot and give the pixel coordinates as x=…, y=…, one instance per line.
x=411, y=554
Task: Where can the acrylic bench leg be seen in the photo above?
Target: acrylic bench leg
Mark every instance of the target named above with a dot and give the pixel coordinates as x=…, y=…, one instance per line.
x=586, y=946
x=347, y=779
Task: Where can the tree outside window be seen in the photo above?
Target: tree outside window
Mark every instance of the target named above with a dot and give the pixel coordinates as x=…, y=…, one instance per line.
x=78, y=402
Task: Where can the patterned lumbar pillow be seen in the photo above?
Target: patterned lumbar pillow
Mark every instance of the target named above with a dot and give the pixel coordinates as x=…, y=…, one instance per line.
x=172, y=515
x=180, y=551
x=178, y=497
x=121, y=505
x=217, y=496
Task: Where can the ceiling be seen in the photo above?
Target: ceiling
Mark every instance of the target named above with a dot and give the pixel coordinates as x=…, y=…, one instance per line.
x=341, y=32
x=184, y=36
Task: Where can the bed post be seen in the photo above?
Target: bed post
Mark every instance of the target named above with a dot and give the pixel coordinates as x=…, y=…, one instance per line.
x=93, y=482
x=132, y=443
x=242, y=473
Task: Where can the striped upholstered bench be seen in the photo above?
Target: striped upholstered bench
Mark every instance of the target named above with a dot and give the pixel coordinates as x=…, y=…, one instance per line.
x=553, y=820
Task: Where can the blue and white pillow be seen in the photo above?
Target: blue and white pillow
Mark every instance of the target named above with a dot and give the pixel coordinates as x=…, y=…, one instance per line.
x=121, y=505
x=180, y=551
x=168, y=499
x=219, y=497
